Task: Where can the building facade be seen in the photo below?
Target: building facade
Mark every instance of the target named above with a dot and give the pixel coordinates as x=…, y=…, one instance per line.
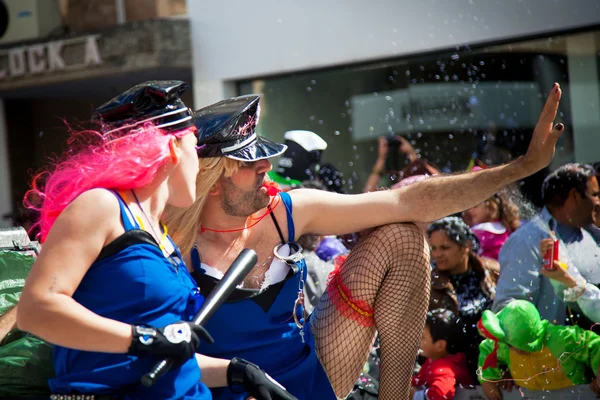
x=463, y=80
x=49, y=84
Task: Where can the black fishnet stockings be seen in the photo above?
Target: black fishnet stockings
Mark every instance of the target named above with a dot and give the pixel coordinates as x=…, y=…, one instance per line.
x=388, y=274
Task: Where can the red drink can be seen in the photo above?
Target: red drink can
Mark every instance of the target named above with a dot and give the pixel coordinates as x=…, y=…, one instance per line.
x=551, y=256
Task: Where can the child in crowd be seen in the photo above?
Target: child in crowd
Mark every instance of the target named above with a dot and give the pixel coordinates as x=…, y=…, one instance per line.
x=493, y=221
x=446, y=365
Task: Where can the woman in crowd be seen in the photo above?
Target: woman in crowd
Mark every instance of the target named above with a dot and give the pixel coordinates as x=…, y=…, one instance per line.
x=461, y=281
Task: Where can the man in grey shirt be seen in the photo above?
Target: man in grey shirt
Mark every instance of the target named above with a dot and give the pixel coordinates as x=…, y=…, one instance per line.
x=570, y=196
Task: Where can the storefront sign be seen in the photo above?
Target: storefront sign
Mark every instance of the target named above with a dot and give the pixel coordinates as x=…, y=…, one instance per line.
x=139, y=46
x=445, y=107
x=50, y=57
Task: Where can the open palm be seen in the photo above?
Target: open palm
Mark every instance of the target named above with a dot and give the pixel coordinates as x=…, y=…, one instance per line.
x=545, y=135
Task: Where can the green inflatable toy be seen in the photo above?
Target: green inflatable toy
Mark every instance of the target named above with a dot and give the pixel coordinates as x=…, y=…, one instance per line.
x=539, y=355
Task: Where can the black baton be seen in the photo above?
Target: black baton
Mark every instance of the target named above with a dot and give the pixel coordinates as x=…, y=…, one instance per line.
x=239, y=269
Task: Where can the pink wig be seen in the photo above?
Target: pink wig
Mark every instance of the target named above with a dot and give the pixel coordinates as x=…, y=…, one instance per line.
x=95, y=161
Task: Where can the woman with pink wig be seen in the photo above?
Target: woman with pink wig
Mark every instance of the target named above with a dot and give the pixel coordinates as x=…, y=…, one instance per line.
x=109, y=288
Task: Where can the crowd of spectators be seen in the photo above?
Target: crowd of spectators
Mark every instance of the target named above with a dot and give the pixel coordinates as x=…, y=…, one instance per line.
x=493, y=301
x=493, y=298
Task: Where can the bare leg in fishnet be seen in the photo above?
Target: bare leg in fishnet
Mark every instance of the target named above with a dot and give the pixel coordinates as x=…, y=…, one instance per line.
x=389, y=271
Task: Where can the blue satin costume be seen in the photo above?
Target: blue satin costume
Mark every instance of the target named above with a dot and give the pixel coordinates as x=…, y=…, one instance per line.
x=132, y=282
x=265, y=333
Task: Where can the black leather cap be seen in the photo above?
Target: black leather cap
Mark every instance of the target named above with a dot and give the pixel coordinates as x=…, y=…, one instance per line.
x=157, y=102
x=228, y=129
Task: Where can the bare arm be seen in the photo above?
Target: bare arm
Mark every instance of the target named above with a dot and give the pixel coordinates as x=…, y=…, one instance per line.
x=214, y=370
x=8, y=322
x=327, y=213
x=427, y=200
x=46, y=306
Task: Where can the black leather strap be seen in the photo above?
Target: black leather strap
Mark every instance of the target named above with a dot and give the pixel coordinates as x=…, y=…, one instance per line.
x=129, y=238
x=276, y=225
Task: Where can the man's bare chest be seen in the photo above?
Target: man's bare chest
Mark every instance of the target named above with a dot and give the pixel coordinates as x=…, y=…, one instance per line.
x=220, y=257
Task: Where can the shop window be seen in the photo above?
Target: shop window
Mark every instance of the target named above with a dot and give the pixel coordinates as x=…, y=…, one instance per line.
x=459, y=108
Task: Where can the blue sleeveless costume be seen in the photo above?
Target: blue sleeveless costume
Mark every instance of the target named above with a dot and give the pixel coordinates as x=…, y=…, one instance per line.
x=132, y=282
x=260, y=328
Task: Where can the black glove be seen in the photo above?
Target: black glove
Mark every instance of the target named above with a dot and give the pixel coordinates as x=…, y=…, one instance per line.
x=255, y=381
x=177, y=341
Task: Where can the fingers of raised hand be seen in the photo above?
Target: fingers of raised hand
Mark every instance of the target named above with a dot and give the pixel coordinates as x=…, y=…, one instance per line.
x=541, y=148
x=382, y=146
x=551, y=107
x=544, y=126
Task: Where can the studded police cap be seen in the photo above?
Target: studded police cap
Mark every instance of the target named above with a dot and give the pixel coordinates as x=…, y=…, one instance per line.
x=157, y=102
x=228, y=129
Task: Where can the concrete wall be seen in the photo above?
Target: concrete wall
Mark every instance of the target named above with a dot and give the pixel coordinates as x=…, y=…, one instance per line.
x=82, y=15
x=238, y=39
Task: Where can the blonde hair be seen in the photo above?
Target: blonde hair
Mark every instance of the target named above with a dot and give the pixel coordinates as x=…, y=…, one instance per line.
x=184, y=223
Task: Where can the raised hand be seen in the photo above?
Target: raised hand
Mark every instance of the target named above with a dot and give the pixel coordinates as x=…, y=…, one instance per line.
x=382, y=148
x=545, y=135
x=382, y=153
x=406, y=148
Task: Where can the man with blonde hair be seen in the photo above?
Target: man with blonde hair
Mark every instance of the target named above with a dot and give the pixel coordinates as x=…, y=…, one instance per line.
x=383, y=285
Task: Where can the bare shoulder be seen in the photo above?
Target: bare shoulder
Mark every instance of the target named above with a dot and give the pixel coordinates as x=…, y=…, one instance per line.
x=303, y=199
x=96, y=203
x=304, y=195
x=82, y=229
x=325, y=213
x=95, y=211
